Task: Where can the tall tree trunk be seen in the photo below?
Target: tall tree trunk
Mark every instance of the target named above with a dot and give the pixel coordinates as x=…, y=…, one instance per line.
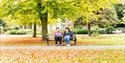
x=0, y=31
x=44, y=28
x=43, y=18
x=24, y=27
x=89, y=29
x=34, y=29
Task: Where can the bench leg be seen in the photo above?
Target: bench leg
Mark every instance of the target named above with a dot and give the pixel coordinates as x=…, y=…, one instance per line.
x=47, y=42
x=75, y=42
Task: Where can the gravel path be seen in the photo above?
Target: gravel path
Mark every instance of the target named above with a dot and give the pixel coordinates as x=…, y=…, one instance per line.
x=62, y=47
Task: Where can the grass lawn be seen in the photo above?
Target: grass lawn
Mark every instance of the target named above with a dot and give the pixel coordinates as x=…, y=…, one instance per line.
x=103, y=40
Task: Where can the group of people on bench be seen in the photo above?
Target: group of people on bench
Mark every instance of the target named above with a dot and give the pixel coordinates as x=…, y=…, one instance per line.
x=66, y=36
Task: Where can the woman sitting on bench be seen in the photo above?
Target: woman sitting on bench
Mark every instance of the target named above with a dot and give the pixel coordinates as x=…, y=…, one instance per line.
x=58, y=37
x=68, y=36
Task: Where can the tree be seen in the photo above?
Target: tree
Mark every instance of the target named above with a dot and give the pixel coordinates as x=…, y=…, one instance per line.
x=92, y=10
x=123, y=17
x=20, y=9
x=2, y=23
x=120, y=13
x=119, y=10
x=2, y=26
x=34, y=29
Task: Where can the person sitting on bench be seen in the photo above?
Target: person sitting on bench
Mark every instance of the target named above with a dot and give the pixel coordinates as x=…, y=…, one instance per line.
x=58, y=37
x=68, y=36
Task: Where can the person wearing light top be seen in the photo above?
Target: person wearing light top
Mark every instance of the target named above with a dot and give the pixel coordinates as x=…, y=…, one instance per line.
x=58, y=37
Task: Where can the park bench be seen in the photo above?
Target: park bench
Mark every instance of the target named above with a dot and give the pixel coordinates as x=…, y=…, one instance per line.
x=51, y=38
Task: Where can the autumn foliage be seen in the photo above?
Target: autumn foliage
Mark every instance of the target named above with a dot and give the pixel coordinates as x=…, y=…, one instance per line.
x=61, y=55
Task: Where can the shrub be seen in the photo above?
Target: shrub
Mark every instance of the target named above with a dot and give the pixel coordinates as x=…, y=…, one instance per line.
x=85, y=31
x=95, y=34
x=16, y=28
x=12, y=32
x=20, y=32
x=75, y=31
x=93, y=31
x=109, y=29
x=16, y=32
x=80, y=31
x=102, y=31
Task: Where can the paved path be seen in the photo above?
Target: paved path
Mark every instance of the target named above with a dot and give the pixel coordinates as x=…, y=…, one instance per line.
x=62, y=47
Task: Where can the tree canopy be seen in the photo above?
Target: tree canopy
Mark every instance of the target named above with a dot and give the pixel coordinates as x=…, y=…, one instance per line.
x=28, y=11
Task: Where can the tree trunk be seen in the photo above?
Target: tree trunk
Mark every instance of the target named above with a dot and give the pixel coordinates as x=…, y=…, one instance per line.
x=24, y=27
x=44, y=28
x=89, y=29
x=34, y=29
x=43, y=18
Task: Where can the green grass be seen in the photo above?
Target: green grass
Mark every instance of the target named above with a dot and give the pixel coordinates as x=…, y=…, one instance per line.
x=104, y=40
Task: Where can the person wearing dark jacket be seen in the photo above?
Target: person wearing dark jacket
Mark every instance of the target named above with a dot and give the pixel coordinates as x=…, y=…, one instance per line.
x=67, y=36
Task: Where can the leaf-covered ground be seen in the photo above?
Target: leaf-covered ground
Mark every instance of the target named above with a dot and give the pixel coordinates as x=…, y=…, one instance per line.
x=62, y=55
x=81, y=40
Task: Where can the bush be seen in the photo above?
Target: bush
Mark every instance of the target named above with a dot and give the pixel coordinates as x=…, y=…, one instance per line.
x=93, y=31
x=85, y=31
x=109, y=29
x=95, y=34
x=16, y=32
x=102, y=31
x=20, y=32
x=80, y=31
x=12, y=32
x=16, y=28
x=75, y=31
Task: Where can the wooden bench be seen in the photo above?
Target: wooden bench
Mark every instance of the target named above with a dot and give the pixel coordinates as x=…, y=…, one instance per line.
x=51, y=38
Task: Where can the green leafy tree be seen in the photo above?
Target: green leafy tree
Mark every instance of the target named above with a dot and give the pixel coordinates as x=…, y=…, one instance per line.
x=37, y=9
x=92, y=10
x=2, y=26
x=119, y=10
x=119, y=7
x=124, y=16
